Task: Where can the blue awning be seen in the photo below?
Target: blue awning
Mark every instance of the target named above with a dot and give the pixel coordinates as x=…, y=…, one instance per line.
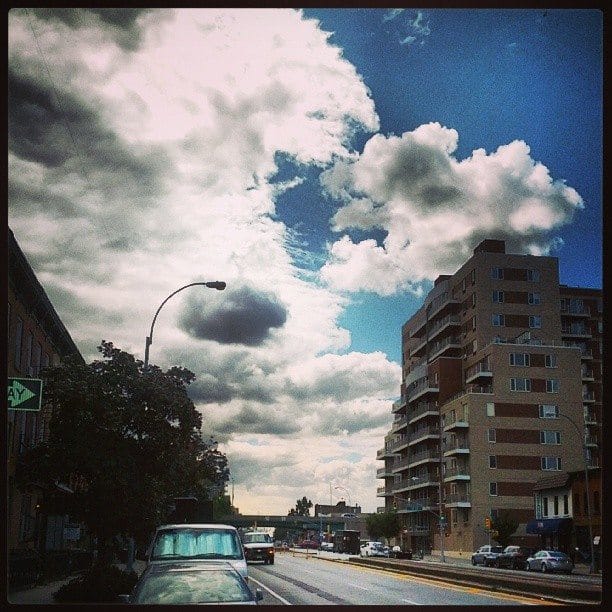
x=549, y=526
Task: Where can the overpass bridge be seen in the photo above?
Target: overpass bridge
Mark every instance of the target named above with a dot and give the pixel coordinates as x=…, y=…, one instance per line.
x=290, y=522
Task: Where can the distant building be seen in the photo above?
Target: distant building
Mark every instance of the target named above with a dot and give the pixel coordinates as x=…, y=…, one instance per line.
x=337, y=510
x=495, y=364
x=36, y=338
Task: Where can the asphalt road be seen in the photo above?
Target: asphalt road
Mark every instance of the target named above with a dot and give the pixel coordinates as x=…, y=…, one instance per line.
x=300, y=580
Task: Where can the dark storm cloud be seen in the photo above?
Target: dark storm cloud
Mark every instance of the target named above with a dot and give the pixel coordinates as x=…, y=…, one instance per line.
x=120, y=23
x=209, y=389
x=252, y=421
x=239, y=315
x=52, y=128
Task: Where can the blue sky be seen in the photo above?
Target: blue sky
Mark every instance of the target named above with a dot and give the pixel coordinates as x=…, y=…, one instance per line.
x=327, y=164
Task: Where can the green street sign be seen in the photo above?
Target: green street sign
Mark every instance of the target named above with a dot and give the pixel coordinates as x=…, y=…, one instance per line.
x=24, y=393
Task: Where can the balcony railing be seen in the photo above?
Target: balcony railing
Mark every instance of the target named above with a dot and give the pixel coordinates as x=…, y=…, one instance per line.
x=590, y=440
x=575, y=330
x=383, y=472
x=421, y=410
x=422, y=387
x=460, y=471
x=399, y=423
x=477, y=370
x=457, y=498
x=424, y=432
x=575, y=310
x=588, y=396
x=456, y=445
x=401, y=441
x=401, y=464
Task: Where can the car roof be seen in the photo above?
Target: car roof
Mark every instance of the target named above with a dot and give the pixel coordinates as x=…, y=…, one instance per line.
x=196, y=526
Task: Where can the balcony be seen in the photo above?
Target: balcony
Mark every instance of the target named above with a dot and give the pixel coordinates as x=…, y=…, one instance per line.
x=383, y=453
x=458, y=500
x=400, y=465
x=436, y=306
x=456, y=447
x=423, y=433
x=423, y=457
x=457, y=473
x=588, y=396
x=399, y=444
x=435, y=328
x=590, y=418
x=421, y=389
x=480, y=370
x=417, y=505
x=384, y=491
x=399, y=424
x=399, y=404
x=575, y=310
x=588, y=375
x=590, y=441
x=384, y=472
x=419, y=482
x=439, y=348
x=456, y=424
x=422, y=410
x=575, y=331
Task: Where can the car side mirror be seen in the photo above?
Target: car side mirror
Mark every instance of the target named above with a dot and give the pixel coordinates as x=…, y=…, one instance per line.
x=258, y=594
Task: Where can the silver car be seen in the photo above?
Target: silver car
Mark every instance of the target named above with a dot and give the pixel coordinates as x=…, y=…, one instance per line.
x=550, y=561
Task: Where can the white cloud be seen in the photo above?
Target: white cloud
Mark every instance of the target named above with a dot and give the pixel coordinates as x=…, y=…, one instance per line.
x=435, y=208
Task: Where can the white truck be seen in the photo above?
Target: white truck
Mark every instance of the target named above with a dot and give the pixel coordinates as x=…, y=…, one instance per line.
x=258, y=546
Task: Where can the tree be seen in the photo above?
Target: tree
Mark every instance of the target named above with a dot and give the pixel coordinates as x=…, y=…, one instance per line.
x=383, y=524
x=302, y=508
x=505, y=526
x=131, y=436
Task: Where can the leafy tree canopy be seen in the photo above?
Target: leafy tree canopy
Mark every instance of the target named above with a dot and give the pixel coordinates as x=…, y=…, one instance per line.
x=132, y=437
x=383, y=524
x=302, y=507
x=505, y=525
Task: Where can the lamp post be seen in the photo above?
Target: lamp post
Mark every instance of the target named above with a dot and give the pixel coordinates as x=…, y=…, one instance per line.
x=586, y=485
x=219, y=285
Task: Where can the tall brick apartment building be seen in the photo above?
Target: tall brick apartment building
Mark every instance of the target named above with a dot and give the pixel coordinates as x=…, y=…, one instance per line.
x=36, y=338
x=495, y=364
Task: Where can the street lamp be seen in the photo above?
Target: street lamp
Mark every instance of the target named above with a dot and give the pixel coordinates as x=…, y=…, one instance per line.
x=588, y=495
x=219, y=285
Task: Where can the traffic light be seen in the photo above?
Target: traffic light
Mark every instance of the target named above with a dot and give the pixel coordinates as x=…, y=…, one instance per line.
x=487, y=523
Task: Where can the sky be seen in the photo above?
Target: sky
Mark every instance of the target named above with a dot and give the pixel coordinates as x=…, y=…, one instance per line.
x=328, y=165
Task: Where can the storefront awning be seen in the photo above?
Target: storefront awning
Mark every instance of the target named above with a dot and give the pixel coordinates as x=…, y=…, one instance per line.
x=549, y=526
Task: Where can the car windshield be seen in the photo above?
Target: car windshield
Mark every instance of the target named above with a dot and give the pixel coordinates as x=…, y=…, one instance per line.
x=558, y=555
x=194, y=543
x=192, y=587
x=256, y=538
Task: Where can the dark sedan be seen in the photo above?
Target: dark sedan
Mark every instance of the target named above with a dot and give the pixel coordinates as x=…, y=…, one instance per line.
x=514, y=557
x=189, y=582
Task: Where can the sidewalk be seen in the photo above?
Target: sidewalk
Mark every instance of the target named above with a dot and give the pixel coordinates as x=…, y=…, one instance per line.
x=43, y=593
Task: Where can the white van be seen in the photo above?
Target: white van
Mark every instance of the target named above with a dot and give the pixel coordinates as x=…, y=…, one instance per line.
x=198, y=542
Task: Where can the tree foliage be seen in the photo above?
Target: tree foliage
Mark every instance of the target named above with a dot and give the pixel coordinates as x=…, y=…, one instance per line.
x=383, y=524
x=505, y=525
x=302, y=507
x=131, y=437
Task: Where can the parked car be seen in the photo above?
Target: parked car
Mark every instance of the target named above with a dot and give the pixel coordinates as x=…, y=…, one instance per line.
x=191, y=582
x=372, y=549
x=486, y=555
x=308, y=544
x=550, y=561
x=513, y=557
x=398, y=553
x=197, y=541
x=327, y=546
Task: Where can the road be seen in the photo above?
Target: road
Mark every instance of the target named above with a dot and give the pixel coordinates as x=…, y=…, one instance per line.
x=297, y=580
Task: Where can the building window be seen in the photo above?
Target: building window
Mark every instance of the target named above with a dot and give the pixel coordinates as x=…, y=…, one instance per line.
x=18, y=340
x=545, y=506
x=474, y=346
x=551, y=361
x=533, y=275
x=520, y=384
x=550, y=437
x=497, y=273
x=519, y=359
x=535, y=321
x=551, y=463
x=565, y=505
x=552, y=385
x=491, y=435
x=497, y=320
x=576, y=508
x=549, y=411
x=492, y=461
x=492, y=488
x=490, y=409
x=498, y=297
x=473, y=276
x=556, y=505
x=473, y=299
x=533, y=298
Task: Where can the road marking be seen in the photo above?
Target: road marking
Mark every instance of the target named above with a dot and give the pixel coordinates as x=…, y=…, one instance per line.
x=358, y=586
x=276, y=595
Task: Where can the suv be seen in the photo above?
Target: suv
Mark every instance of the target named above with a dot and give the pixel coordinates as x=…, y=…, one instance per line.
x=258, y=546
x=514, y=557
x=197, y=542
x=486, y=555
